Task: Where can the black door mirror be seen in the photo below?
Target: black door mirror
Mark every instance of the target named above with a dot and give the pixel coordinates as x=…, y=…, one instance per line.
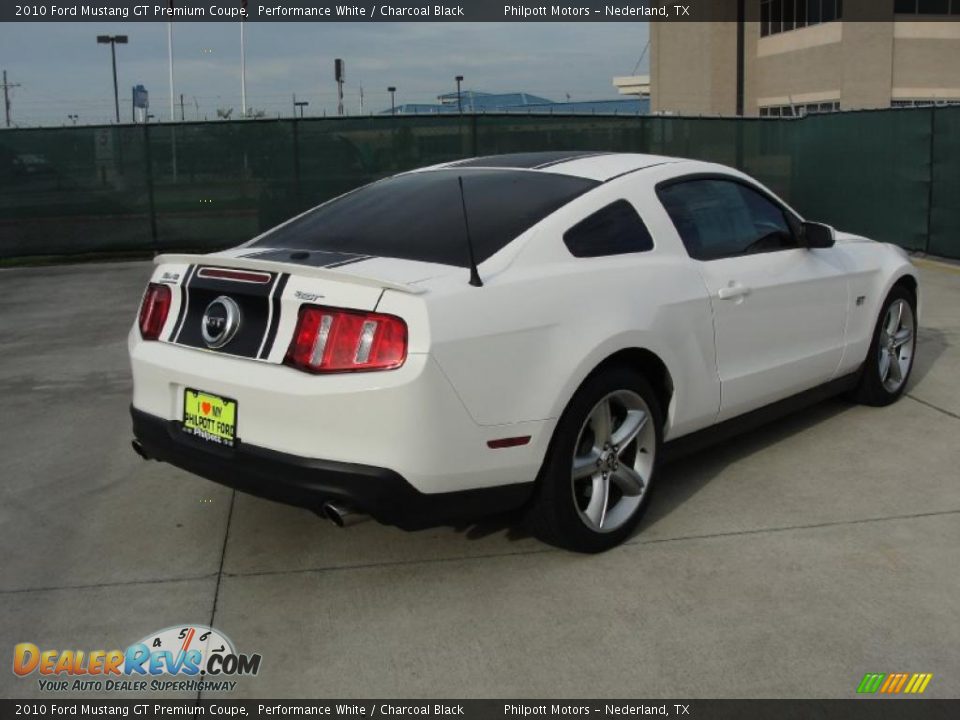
x=818, y=235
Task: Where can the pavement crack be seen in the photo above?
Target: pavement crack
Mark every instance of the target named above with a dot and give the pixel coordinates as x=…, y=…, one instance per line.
x=119, y=583
x=788, y=528
x=223, y=555
x=550, y=550
x=946, y=412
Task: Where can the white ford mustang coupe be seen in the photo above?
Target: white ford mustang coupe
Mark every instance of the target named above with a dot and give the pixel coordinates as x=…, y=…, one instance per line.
x=529, y=331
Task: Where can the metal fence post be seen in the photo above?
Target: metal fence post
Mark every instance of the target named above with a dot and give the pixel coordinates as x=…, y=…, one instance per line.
x=473, y=134
x=930, y=195
x=296, y=162
x=148, y=161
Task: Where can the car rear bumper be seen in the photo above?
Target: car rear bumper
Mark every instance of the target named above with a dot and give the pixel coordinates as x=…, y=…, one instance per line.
x=410, y=420
x=309, y=482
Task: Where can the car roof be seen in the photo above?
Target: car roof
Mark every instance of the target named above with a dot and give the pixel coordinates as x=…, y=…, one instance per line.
x=592, y=165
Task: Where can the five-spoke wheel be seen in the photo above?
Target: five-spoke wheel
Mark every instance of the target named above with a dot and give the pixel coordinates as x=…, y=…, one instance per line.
x=613, y=460
x=890, y=360
x=596, y=479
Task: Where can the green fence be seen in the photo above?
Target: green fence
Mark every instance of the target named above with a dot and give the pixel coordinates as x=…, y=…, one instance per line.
x=892, y=175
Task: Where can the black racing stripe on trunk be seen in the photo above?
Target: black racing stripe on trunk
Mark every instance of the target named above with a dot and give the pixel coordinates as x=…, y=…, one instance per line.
x=275, y=316
x=184, y=301
x=361, y=258
x=309, y=258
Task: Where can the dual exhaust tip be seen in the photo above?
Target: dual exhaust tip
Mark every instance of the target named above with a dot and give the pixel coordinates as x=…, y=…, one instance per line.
x=339, y=514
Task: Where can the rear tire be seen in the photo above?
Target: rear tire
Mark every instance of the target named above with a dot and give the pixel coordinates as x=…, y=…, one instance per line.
x=595, y=482
x=890, y=358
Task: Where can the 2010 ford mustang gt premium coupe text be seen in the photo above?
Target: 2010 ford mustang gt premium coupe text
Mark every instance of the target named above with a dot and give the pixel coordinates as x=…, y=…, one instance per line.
x=530, y=331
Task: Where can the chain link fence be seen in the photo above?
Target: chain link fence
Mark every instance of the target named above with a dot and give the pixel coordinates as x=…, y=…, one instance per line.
x=893, y=175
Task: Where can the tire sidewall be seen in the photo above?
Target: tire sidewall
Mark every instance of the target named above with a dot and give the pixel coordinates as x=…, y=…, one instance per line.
x=872, y=390
x=554, y=485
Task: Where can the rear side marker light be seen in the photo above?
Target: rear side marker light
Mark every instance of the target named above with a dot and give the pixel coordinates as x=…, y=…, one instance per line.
x=331, y=340
x=508, y=442
x=153, y=310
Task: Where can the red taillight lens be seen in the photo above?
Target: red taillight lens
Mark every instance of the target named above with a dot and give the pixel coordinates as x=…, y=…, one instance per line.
x=153, y=310
x=334, y=340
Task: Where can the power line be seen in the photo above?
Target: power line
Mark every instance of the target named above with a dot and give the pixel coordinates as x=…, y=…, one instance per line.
x=642, y=55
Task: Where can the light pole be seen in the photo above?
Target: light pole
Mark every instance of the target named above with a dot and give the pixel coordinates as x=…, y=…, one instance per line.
x=393, y=106
x=173, y=116
x=113, y=40
x=73, y=117
x=459, y=80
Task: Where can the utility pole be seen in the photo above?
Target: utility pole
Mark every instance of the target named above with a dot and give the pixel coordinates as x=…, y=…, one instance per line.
x=459, y=80
x=181, y=107
x=173, y=117
x=340, y=75
x=6, y=96
x=298, y=104
x=393, y=105
x=243, y=60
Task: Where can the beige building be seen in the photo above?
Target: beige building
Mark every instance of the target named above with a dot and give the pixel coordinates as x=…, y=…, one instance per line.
x=801, y=56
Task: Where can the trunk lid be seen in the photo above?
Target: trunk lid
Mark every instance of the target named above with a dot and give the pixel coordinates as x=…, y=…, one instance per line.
x=247, y=305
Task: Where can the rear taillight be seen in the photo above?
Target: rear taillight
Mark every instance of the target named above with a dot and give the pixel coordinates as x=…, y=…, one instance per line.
x=153, y=310
x=335, y=340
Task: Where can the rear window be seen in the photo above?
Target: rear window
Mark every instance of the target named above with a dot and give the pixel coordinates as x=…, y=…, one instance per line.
x=419, y=216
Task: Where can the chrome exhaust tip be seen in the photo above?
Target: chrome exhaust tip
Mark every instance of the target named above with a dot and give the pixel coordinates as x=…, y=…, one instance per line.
x=341, y=515
x=138, y=449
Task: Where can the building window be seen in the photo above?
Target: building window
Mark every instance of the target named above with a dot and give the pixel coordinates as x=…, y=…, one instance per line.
x=922, y=103
x=777, y=16
x=795, y=111
x=926, y=7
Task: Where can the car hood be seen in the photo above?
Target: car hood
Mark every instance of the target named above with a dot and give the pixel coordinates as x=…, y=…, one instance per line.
x=845, y=237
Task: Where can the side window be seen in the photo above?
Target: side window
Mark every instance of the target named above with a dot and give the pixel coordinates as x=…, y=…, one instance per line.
x=613, y=230
x=722, y=218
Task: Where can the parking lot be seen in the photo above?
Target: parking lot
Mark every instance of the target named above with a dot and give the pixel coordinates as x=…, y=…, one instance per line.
x=786, y=563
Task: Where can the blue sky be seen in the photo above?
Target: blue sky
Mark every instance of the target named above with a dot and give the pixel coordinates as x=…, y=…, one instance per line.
x=62, y=70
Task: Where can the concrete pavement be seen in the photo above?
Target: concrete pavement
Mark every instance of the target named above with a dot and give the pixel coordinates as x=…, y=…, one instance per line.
x=787, y=563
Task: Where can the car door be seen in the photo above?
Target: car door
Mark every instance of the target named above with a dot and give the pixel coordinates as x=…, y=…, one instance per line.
x=779, y=309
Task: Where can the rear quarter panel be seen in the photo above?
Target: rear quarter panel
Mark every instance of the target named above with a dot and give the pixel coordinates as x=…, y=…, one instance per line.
x=519, y=347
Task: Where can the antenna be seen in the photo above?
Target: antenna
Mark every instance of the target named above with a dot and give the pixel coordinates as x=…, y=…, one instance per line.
x=474, y=275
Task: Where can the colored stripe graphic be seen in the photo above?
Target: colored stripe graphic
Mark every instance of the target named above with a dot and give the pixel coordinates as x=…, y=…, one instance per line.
x=895, y=683
x=871, y=682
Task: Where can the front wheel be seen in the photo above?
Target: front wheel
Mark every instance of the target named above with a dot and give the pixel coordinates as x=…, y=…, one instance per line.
x=890, y=358
x=596, y=479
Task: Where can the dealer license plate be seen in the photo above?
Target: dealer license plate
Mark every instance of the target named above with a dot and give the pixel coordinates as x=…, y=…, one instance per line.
x=210, y=417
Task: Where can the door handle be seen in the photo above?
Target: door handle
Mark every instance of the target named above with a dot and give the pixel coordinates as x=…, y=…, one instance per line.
x=733, y=292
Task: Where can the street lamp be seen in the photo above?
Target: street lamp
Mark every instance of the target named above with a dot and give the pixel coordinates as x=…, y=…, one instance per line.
x=459, y=80
x=393, y=106
x=300, y=104
x=73, y=117
x=113, y=40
